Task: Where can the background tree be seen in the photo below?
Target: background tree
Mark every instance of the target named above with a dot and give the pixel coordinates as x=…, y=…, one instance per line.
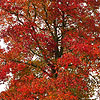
x=63, y=35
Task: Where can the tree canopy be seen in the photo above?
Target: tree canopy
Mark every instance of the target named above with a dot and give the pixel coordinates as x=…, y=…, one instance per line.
x=64, y=38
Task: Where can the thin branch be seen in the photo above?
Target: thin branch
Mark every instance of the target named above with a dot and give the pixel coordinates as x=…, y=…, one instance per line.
x=46, y=21
x=97, y=83
x=28, y=13
x=35, y=53
x=35, y=11
x=31, y=64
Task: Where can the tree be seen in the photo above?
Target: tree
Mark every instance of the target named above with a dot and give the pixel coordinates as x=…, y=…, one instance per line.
x=63, y=35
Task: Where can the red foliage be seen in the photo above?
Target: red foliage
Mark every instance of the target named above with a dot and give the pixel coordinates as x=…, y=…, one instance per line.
x=63, y=35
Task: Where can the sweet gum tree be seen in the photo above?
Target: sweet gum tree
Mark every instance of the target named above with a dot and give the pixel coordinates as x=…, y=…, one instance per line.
x=64, y=37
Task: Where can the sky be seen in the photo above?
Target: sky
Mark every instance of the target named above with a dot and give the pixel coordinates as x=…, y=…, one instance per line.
x=2, y=44
x=2, y=86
